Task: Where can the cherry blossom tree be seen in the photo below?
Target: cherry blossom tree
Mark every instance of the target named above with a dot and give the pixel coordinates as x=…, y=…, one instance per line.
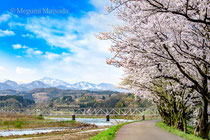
x=164, y=39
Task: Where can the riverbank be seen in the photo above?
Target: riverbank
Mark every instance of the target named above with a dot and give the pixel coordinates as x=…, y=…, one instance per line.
x=110, y=133
x=74, y=134
x=15, y=126
x=21, y=122
x=39, y=126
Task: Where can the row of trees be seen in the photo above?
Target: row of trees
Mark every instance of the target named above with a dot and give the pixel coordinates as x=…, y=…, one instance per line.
x=164, y=48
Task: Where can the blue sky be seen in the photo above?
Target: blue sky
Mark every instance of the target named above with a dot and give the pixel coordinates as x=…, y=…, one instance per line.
x=55, y=38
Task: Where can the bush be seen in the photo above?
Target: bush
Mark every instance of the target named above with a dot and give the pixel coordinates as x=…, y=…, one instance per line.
x=18, y=124
x=40, y=117
x=6, y=123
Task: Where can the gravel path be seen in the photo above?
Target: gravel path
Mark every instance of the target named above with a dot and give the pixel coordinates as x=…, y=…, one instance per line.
x=144, y=130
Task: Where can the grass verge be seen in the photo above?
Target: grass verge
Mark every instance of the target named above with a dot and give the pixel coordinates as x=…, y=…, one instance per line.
x=188, y=136
x=110, y=133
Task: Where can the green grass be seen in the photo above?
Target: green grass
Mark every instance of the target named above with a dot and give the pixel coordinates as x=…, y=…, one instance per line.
x=40, y=117
x=35, y=124
x=18, y=124
x=188, y=136
x=109, y=134
x=71, y=121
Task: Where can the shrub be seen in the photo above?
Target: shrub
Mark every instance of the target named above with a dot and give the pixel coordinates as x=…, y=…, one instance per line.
x=18, y=124
x=6, y=123
x=40, y=117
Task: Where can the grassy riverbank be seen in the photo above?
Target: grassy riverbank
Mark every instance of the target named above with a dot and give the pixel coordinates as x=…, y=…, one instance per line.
x=70, y=128
x=109, y=134
x=189, y=135
x=73, y=134
x=13, y=122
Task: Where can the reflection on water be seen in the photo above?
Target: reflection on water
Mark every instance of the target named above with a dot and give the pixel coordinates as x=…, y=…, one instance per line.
x=27, y=132
x=96, y=121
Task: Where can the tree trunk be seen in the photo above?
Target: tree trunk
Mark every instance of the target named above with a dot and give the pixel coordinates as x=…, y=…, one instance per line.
x=185, y=126
x=203, y=130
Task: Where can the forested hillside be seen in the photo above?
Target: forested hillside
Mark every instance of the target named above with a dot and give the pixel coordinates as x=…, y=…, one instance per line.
x=114, y=101
x=15, y=102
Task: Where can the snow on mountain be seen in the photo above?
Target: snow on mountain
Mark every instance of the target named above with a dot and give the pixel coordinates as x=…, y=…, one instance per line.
x=11, y=83
x=35, y=84
x=47, y=82
x=105, y=86
x=54, y=82
x=4, y=86
x=83, y=85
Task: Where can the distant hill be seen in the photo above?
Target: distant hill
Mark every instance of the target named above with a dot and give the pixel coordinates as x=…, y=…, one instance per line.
x=48, y=82
x=40, y=95
x=114, y=101
x=9, y=101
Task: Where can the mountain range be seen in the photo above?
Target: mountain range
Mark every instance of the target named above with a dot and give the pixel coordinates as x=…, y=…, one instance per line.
x=48, y=82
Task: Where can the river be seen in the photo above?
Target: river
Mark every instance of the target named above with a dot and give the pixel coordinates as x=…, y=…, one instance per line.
x=96, y=121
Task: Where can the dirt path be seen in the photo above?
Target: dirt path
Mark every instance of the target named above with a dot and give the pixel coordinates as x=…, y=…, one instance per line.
x=145, y=130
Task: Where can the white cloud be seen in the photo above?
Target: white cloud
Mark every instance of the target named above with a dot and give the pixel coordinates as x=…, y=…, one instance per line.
x=21, y=70
x=100, y=4
x=38, y=52
x=17, y=46
x=2, y=69
x=28, y=35
x=51, y=56
x=31, y=52
x=6, y=33
x=4, y=17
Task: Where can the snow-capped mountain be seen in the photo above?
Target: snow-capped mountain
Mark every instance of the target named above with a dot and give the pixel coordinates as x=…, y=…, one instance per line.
x=54, y=82
x=84, y=86
x=105, y=86
x=8, y=84
x=11, y=83
x=48, y=82
x=35, y=84
x=4, y=86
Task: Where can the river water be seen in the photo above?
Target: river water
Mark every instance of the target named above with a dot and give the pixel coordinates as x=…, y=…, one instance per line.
x=97, y=121
x=26, y=131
